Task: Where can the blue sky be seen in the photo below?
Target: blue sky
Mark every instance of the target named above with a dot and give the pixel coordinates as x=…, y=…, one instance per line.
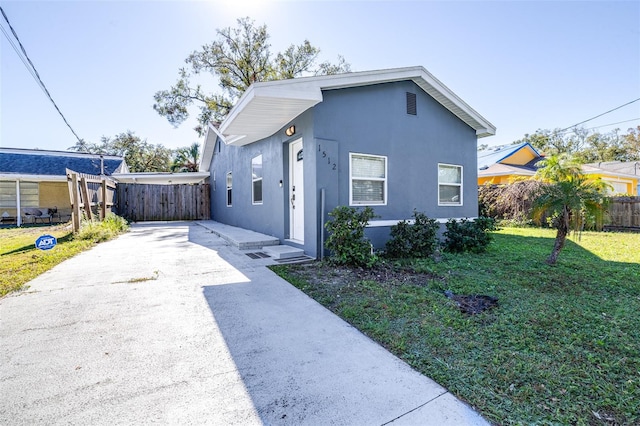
x=522, y=65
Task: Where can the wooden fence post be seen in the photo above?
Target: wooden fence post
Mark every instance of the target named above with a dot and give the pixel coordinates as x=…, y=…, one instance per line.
x=103, y=207
x=76, y=202
x=85, y=198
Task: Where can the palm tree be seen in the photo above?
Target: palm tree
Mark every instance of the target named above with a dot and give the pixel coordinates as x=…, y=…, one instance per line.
x=186, y=159
x=569, y=198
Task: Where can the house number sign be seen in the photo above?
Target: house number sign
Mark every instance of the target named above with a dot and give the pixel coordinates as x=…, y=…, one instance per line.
x=324, y=155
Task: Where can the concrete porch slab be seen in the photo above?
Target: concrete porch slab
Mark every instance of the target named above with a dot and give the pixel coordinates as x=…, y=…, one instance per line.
x=240, y=238
x=283, y=251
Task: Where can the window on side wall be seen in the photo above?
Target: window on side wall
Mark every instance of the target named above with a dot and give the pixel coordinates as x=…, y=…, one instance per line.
x=449, y=185
x=368, y=179
x=256, y=180
x=229, y=188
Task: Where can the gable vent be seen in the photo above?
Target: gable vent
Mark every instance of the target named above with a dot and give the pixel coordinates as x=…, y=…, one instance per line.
x=411, y=103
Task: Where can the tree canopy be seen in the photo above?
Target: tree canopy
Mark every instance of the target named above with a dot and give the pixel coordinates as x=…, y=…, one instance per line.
x=186, y=159
x=586, y=146
x=140, y=155
x=239, y=57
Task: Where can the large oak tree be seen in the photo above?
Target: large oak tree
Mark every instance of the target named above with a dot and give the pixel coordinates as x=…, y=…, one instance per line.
x=239, y=57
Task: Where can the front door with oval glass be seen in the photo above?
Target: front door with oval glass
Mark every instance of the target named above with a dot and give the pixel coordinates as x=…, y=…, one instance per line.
x=296, y=191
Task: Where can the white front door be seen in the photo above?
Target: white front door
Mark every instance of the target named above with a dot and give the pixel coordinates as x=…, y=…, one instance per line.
x=296, y=191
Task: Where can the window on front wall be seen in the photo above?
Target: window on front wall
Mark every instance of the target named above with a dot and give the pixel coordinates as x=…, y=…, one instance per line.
x=449, y=185
x=368, y=179
x=229, y=188
x=256, y=180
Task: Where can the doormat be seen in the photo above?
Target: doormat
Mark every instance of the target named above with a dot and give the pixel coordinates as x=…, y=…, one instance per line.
x=258, y=255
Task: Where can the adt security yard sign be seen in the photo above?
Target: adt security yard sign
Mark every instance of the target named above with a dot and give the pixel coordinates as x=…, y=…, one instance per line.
x=46, y=242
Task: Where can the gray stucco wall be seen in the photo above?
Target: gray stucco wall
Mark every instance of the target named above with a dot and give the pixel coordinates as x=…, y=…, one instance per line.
x=374, y=120
x=272, y=216
x=366, y=120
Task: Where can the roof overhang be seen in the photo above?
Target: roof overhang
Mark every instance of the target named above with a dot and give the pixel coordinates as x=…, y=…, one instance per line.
x=504, y=170
x=32, y=178
x=266, y=107
x=590, y=170
x=161, y=178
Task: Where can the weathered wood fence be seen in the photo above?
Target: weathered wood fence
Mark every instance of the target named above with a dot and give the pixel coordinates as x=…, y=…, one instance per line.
x=90, y=195
x=139, y=202
x=624, y=214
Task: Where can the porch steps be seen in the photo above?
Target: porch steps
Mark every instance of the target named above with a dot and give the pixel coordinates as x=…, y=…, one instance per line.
x=283, y=252
x=242, y=239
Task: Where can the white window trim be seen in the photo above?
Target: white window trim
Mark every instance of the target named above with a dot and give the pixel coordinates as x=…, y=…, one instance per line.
x=385, y=180
x=253, y=198
x=461, y=185
x=229, y=188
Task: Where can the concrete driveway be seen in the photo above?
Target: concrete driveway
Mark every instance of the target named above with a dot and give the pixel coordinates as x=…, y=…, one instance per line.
x=169, y=324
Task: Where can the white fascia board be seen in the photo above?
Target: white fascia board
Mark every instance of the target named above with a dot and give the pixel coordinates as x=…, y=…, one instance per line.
x=32, y=178
x=209, y=147
x=454, y=104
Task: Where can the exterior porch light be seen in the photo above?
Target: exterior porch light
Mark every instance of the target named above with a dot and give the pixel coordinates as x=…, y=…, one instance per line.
x=290, y=131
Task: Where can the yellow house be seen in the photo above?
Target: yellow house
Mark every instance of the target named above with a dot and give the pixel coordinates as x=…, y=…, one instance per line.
x=506, y=164
x=624, y=177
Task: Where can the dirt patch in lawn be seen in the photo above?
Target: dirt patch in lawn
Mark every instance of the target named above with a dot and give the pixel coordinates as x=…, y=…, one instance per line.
x=323, y=274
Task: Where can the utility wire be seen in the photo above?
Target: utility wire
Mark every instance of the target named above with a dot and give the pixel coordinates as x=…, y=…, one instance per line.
x=24, y=61
x=603, y=125
x=37, y=76
x=600, y=115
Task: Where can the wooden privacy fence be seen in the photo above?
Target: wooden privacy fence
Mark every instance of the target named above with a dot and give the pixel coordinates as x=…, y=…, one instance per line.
x=139, y=202
x=90, y=195
x=624, y=214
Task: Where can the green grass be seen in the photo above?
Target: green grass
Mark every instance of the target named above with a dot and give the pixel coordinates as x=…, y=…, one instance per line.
x=21, y=261
x=562, y=347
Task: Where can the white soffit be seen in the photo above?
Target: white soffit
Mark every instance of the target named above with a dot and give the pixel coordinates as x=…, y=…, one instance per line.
x=266, y=107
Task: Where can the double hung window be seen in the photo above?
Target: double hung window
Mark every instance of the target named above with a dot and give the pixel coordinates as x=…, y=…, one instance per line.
x=449, y=185
x=368, y=179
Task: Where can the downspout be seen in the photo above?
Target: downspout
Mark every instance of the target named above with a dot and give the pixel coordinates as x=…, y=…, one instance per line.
x=18, y=211
x=322, y=197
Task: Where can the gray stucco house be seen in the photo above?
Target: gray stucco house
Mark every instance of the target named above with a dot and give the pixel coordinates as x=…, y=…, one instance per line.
x=292, y=150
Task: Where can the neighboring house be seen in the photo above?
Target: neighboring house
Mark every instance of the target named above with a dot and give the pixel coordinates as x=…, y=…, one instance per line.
x=624, y=177
x=290, y=151
x=506, y=164
x=37, y=178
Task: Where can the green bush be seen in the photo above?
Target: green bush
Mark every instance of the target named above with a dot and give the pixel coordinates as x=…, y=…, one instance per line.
x=346, y=240
x=419, y=240
x=465, y=235
x=96, y=231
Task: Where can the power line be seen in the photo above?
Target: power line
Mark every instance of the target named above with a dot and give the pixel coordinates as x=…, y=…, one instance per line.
x=24, y=61
x=35, y=72
x=603, y=125
x=600, y=115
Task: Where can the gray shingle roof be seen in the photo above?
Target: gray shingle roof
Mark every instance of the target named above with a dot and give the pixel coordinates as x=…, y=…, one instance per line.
x=55, y=163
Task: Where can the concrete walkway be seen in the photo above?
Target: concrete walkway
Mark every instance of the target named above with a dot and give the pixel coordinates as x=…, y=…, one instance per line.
x=170, y=324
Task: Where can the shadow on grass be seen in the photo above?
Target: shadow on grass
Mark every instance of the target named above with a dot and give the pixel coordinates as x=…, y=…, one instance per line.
x=23, y=249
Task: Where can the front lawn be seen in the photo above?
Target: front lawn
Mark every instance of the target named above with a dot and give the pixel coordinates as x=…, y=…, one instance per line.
x=21, y=261
x=562, y=347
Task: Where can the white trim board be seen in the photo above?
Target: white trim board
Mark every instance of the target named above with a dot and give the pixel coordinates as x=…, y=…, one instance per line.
x=383, y=223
